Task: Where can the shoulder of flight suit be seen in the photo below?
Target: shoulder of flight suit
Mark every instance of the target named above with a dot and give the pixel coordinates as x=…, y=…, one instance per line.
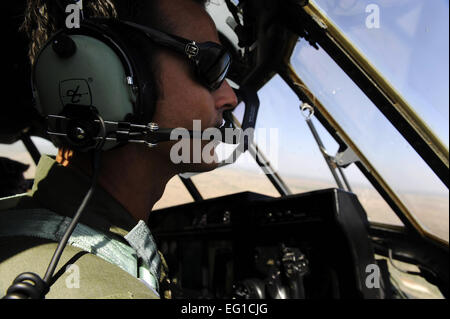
x=91, y=278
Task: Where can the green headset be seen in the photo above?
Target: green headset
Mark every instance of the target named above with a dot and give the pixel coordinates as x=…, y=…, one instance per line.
x=92, y=70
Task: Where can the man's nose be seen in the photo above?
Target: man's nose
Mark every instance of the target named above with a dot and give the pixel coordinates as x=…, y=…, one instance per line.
x=224, y=97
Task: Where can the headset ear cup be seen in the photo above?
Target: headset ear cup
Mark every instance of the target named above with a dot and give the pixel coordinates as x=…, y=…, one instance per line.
x=147, y=99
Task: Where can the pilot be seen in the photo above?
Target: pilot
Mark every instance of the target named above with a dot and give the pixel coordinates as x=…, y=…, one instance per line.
x=111, y=253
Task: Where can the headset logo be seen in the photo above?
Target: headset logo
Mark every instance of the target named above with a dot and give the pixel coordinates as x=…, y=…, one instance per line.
x=75, y=91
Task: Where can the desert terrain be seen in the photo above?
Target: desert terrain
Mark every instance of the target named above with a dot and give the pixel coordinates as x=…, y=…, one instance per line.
x=429, y=209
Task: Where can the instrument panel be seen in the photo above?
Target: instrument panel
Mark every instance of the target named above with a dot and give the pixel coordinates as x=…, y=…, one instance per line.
x=247, y=245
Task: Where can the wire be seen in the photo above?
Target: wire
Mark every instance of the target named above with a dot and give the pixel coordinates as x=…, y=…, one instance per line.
x=30, y=285
x=96, y=170
x=62, y=243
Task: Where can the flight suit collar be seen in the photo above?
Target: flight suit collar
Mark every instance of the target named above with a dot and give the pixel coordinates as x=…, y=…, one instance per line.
x=62, y=189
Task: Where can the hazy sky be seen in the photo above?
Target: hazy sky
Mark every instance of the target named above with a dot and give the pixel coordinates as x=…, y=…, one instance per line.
x=410, y=48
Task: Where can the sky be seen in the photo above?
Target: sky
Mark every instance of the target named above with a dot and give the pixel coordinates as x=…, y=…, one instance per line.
x=410, y=48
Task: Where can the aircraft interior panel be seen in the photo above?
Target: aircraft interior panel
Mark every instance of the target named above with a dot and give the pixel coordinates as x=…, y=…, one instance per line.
x=247, y=245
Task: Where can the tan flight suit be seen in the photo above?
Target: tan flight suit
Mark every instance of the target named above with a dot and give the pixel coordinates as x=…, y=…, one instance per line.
x=60, y=190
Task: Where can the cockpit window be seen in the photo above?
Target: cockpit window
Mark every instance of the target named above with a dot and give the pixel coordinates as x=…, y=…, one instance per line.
x=408, y=42
x=295, y=154
x=242, y=176
x=175, y=193
x=223, y=19
x=403, y=169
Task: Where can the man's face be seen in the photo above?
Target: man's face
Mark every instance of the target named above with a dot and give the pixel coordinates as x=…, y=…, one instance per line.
x=183, y=97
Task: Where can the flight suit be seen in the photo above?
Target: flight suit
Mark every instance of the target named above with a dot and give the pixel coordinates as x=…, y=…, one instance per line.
x=109, y=255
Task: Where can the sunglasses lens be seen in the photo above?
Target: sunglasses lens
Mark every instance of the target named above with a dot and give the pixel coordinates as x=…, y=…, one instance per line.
x=213, y=67
x=220, y=77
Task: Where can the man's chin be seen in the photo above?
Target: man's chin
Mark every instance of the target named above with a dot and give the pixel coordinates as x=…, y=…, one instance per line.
x=198, y=167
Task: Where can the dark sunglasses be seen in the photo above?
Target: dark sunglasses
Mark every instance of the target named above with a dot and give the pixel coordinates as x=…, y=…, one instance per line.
x=211, y=60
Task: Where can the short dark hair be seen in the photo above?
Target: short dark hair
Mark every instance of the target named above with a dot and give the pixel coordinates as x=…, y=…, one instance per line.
x=44, y=17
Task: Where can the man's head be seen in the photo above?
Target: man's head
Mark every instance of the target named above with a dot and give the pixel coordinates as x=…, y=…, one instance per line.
x=180, y=96
x=183, y=97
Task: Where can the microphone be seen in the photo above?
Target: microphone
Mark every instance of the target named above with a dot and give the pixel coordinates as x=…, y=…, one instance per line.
x=79, y=125
x=82, y=132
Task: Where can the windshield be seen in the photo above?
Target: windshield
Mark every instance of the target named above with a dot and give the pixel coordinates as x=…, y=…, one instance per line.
x=408, y=42
x=297, y=157
x=403, y=169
